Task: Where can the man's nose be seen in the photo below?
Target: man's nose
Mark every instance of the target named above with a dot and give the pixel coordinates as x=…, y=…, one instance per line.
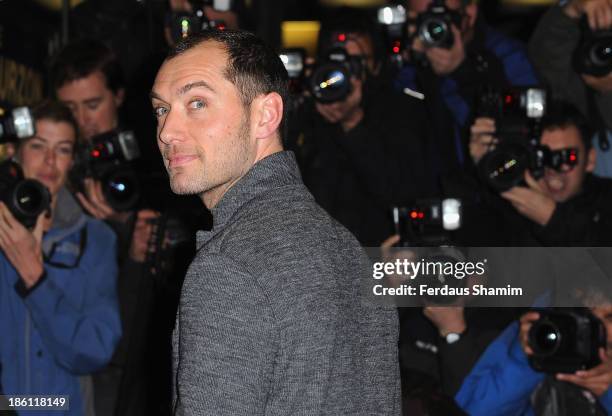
x=50, y=156
x=82, y=116
x=170, y=128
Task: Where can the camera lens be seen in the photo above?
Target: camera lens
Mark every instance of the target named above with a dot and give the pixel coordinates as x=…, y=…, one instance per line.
x=601, y=53
x=504, y=167
x=28, y=200
x=434, y=32
x=330, y=83
x=545, y=338
x=121, y=190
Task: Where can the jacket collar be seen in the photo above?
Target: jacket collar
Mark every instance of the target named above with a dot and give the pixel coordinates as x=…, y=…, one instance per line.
x=274, y=171
x=67, y=219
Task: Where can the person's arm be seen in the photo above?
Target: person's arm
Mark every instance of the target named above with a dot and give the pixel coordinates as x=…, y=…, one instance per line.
x=501, y=383
x=227, y=342
x=550, y=50
x=75, y=310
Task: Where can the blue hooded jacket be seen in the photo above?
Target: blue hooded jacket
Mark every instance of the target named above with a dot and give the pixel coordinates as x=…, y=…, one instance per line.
x=501, y=382
x=68, y=324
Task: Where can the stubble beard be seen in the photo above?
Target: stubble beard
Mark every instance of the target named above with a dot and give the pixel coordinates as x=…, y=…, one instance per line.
x=233, y=157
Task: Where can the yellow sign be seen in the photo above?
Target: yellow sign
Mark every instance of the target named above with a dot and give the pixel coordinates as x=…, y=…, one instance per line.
x=19, y=85
x=301, y=34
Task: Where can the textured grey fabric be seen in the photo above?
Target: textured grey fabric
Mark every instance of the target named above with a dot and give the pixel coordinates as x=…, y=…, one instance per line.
x=270, y=320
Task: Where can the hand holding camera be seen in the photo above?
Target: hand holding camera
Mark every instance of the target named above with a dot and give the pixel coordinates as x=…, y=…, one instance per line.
x=21, y=246
x=598, y=12
x=443, y=60
x=347, y=112
x=531, y=201
x=570, y=343
x=482, y=138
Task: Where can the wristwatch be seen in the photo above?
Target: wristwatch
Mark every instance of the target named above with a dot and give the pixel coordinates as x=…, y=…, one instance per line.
x=452, y=337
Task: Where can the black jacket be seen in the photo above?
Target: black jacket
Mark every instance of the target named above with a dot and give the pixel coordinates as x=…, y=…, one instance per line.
x=359, y=175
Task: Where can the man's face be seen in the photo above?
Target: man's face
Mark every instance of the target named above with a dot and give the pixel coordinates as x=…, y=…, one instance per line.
x=48, y=155
x=93, y=104
x=562, y=186
x=203, y=130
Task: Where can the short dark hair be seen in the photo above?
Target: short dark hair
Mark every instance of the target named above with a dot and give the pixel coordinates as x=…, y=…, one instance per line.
x=252, y=66
x=57, y=112
x=82, y=58
x=561, y=115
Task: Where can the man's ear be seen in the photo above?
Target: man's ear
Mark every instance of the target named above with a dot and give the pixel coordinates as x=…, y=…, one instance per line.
x=119, y=96
x=591, y=159
x=471, y=12
x=268, y=113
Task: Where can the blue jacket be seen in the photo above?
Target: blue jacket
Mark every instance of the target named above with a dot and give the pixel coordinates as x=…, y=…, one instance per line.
x=502, y=381
x=68, y=324
x=511, y=56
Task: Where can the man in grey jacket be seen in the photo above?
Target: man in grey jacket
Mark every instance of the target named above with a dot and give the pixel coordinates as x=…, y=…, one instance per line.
x=271, y=320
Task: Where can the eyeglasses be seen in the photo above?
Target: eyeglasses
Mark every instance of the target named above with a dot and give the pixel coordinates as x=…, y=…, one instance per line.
x=82, y=245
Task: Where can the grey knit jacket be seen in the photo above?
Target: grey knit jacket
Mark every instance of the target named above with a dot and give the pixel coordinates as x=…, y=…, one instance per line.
x=271, y=320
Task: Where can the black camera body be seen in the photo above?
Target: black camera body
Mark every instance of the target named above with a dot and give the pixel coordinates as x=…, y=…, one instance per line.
x=107, y=158
x=185, y=24
x=517, y=113
x=25, y=198
x=427, y=222
x=329, y=79
x=593, y=56
x=393, y=21
x=566, y=340
x=434, y=26
x=16, y=124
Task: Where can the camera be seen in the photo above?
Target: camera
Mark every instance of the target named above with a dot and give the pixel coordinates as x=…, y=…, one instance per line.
x=393, y=20
x=427, y=222
x=426, y=226
x=25, y=198
x=593, y=56
x=517, y=113
x=566, y=340
x=329, y=80
x=108, y=159
x=16, y=124
x=294, y=61
x=185, y=24
x=434, y=25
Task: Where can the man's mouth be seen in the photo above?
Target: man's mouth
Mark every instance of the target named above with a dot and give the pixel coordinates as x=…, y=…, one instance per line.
x=180, y=160
x=555, y=184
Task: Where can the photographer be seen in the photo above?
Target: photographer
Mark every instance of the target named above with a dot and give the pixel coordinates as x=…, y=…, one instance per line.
x=361, y=154
x=87, y=77
x=450, y=75
x=503, y=382
x=568, y=205
x=572, y=73
x=57, y=280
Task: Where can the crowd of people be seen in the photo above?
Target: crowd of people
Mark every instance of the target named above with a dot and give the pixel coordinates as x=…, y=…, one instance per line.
x=89, y=292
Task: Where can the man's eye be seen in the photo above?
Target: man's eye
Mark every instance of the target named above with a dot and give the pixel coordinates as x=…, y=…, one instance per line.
x=196, y=104
x=159, y=111
x=93, y=106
